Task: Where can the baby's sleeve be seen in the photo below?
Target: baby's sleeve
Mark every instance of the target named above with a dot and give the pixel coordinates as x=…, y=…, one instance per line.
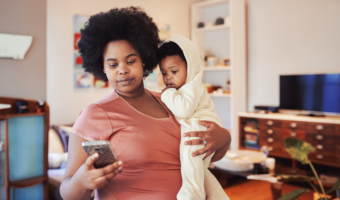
x=93, y=124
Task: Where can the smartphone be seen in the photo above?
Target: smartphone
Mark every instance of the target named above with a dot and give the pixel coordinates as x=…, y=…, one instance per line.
x=103, y=148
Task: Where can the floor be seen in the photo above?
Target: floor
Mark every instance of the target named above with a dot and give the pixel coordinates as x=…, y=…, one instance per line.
x=242, y=189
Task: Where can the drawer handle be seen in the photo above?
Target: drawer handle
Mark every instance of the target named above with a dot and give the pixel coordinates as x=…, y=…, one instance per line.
x=319, y=127
x=270, y=131
x=293, y=125
x=319, y=156
x=292, y=134
x=270, y=123
x=319, y=147
x=270, y=140
x=270, y=148
x=319, y=137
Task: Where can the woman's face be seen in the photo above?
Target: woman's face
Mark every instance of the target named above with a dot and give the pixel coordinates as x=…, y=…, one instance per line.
x=123, y=67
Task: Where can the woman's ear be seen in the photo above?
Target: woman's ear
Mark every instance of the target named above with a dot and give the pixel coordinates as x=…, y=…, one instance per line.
x=104, y=70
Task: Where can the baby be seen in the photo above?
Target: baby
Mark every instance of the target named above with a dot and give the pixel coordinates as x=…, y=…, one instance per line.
x=182, y=68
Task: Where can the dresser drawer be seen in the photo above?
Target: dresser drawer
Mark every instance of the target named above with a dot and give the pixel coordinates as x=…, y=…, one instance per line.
x=321, y=157
x=323, y=148
x=293, y=125
x=337, y=129
x=270, y=131
x=272, y=149
x=270, y=123
x=337, y=151
x=321, y=139
x=318, y=128
x=300, y=134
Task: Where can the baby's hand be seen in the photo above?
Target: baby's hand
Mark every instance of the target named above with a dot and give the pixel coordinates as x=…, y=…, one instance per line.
x=96, y=178
x=167, y=87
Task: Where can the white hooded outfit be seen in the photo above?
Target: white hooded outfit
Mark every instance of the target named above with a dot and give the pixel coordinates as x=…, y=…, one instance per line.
x=189, y=104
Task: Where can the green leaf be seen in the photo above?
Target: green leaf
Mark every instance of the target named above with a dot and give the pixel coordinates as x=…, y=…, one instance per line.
x=298, y=149
x=296, y=177
x=293, y=194
x=335, y=186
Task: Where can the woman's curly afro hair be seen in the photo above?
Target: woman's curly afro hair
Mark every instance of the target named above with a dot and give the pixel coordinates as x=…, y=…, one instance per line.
x=131, y=24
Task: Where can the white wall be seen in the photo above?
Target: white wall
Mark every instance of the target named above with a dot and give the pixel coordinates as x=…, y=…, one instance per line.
x=289, y=37
x=65, y=102
x=24, y=78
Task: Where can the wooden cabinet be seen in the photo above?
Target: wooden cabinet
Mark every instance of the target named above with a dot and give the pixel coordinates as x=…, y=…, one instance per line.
x=23, y=152
x=322, y=133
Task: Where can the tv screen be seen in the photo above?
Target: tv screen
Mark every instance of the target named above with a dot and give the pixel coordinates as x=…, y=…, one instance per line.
x=318, y=93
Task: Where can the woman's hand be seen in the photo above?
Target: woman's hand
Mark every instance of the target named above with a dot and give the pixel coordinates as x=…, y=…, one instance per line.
x=96, y=178
x=218, y=140
x=81, y=177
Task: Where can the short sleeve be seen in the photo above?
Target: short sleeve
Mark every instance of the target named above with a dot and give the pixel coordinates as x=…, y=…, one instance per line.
x=93, y=124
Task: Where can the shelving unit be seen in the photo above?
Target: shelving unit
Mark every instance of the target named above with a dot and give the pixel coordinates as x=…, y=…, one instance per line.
x=227, y=41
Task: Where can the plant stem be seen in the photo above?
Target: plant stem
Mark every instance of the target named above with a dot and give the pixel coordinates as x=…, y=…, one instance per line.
x=314, y=188
x=317, y=178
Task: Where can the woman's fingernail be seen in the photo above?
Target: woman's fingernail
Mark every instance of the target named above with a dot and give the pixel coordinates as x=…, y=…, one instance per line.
x=184, y=134
x=193, y=154
x=120, y=162
x=185, y=143
x=95, y=155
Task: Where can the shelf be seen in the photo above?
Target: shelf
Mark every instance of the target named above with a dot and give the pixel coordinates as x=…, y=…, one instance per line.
x=211, y=28
x=217, y=68
x=209, y=3
x=219, y=95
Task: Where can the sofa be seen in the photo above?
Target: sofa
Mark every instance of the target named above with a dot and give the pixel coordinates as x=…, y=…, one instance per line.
x=57, y=157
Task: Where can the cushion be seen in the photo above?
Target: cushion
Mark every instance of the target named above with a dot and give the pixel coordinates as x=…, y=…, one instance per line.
x=64, y=133
x=54, y=143
x=55, y=160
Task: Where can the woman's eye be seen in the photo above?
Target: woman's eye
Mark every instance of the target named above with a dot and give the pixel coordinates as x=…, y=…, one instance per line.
x=113, y=65
x=163, y=74
x=174, y=72
x=131, y=62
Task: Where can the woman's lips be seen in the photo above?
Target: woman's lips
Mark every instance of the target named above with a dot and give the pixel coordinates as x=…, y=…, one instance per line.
x=125, y=81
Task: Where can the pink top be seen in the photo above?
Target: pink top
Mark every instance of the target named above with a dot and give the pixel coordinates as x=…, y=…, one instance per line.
x=148, y=147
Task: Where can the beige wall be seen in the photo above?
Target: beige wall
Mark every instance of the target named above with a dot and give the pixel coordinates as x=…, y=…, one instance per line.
x=65, y=102
x=24, y=78
x=289, y=37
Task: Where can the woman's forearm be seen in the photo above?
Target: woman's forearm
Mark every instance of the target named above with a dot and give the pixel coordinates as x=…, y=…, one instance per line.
x=72, y=189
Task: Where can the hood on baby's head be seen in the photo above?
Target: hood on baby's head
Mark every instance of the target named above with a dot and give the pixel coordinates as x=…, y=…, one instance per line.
x=191, y=54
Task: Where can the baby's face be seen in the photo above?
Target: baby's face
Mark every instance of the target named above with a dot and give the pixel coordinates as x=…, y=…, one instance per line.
x=174, y=71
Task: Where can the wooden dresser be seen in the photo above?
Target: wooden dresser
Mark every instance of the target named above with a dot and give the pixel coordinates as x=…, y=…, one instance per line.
x=268, y=131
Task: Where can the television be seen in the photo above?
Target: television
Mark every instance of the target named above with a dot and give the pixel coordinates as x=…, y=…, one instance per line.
x=314, y=93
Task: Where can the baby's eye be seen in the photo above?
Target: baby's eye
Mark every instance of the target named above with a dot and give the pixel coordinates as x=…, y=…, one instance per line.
x=131, y=62
x=163, y=74
x=174, y=72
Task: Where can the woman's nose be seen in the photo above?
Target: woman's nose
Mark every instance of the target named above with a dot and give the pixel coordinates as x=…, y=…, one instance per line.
x=123, y=69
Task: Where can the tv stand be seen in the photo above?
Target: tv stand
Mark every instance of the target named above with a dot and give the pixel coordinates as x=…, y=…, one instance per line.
x=311, y=115
x=269, y=131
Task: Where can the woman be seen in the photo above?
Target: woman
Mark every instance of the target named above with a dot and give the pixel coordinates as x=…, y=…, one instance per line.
x=120, y=46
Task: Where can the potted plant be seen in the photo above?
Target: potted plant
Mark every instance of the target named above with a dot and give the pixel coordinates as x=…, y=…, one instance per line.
x=299, y=150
